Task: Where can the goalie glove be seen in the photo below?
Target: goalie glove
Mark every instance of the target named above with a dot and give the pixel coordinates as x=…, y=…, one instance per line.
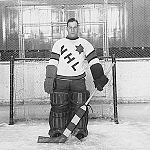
x=49, y=85
x=100, y=80
x=49, y=82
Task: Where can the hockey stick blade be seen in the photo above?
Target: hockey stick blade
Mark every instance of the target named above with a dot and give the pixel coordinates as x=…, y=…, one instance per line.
x=44, y=139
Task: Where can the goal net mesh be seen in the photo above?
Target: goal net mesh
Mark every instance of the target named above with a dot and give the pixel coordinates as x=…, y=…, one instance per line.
x=31, y=102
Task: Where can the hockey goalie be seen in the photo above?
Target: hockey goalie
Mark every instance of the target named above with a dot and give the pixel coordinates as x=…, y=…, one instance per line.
x=65, y=82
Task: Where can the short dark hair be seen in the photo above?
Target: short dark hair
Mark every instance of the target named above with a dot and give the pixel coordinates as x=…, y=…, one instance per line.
x=72, y=20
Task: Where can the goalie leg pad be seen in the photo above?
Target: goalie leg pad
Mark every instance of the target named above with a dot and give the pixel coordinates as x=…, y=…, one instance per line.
x=77, y=100
x=59, y=98
x=59, y=114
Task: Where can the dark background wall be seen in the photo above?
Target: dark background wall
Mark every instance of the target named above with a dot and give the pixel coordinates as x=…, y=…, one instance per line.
x=138, y=21
x=135, y=20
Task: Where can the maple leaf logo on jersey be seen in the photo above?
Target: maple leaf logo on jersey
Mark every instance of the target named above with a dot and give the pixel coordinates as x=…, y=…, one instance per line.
x=79, y=48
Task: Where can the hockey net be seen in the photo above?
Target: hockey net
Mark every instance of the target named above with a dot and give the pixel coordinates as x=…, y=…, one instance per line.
x=29, y=101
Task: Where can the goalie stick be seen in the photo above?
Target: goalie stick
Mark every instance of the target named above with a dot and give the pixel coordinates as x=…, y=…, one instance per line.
x=71, y=126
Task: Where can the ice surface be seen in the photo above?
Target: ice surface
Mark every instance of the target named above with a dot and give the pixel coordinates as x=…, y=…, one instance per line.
x=103, y=135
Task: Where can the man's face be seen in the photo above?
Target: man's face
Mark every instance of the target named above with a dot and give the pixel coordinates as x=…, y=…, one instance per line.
x=72, y=29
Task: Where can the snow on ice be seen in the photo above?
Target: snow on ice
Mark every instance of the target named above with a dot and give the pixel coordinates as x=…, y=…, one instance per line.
x=103, y=135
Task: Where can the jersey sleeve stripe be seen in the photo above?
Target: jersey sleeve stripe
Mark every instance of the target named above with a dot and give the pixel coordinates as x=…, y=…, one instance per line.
x=94, y=61
x=91, y=56
x=55, y=56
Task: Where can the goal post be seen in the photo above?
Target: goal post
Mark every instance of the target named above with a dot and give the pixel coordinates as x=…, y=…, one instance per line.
x=12, y=84
x=114, y=89
x=27, y=97
x=11, y=115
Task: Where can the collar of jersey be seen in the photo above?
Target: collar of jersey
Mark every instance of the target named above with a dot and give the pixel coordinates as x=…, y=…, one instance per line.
x=72, y=38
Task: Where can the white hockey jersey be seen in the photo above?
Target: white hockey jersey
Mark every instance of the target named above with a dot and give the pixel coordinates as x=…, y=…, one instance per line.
x=68, y=56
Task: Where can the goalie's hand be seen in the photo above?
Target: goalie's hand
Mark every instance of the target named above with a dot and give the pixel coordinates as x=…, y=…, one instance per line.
x=101, y=82
x=49, y=85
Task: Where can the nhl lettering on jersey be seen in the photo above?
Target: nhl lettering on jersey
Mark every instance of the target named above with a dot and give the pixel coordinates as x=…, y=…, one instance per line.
x=63, y=50
x=70, y=56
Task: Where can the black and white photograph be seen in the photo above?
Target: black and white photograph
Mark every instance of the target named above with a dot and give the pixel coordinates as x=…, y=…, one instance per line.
x=74, y=75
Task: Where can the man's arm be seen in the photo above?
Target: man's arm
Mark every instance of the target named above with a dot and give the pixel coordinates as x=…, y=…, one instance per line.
x=51, y=69
x=100, y=80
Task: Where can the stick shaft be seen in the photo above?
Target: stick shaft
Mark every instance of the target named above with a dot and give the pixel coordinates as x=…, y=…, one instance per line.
x=80, y=112
x=91, y=96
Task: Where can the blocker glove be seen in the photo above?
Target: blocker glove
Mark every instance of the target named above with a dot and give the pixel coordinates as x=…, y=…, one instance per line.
x=49, y=85
x=100, y=80
x=49, y=82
